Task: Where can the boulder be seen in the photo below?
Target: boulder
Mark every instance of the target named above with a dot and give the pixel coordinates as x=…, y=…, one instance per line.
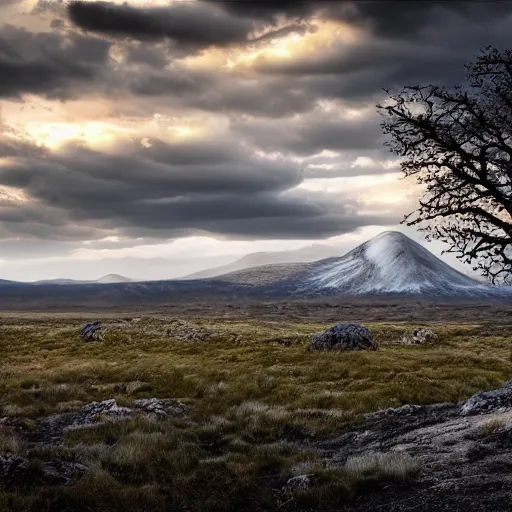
x=90, y=412
x=63, y=471
x=297, y=483
x=91, y=331
x=486, y=402
x=344, y=337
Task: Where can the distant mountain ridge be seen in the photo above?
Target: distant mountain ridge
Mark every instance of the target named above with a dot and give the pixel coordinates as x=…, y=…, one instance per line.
x=114, y=278
x=391, y=265
x=303, y=255
x=109, y=278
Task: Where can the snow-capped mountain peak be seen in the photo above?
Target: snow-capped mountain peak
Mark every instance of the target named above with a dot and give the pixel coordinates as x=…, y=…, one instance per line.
x=389, y=263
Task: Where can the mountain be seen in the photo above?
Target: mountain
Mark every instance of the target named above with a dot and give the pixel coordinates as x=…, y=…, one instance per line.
x=304, y=254
x=60, y=281
x=109, y=278
x=113, y=278
x=389, y=264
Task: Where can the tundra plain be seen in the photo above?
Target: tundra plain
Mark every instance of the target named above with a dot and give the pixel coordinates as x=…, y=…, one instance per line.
x=255, y=407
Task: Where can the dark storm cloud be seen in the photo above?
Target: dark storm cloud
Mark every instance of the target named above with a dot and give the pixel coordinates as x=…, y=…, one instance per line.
x=432, y=48
x=167, y=190
x=388, y=19
x=267, y=11
x=262, y=215
x=274, y=105
x=434, y=41
x=358, y=74
x=184, y=22
x=370, y=54
x=313, y=132
x=47, y=63
x=267, y=98
x=163, y=90
x=405, y=20
x=358, y=71
x=194, y=25
x=33, y=219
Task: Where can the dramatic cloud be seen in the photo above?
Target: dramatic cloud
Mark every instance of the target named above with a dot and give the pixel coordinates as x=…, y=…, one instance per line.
x=154, y=188
x=267, y=11
x=47, y=63
x=193, y=25
x=311, y=133
x=133, y=124
x=395, y=19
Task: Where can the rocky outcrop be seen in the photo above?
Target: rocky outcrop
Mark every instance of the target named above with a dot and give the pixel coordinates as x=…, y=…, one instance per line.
x=50, y=430
x=418, y=337
x=91, y=332
x=160, y=408
x=485, y=402
x=17, y=471
x=452, y=457
x=297, y=483
x=463, y=452
x=58, y=471
x=344, y=337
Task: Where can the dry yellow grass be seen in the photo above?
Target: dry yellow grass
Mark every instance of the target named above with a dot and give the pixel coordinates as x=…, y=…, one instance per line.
x=248, y=394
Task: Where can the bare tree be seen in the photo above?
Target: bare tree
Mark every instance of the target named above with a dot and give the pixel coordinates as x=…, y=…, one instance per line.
x=458, y=144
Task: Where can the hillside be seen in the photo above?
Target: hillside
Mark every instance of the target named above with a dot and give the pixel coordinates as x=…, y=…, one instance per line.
x=303, y=255
x=109, y=278
x=390, y=263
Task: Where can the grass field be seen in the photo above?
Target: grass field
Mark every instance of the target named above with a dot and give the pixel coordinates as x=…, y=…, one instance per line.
x=257, y=400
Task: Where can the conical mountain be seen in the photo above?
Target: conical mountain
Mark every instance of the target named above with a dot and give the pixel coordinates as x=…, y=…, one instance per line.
x=114, y=278
x=389, y=264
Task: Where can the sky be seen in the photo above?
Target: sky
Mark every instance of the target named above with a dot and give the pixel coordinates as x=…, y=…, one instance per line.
x=158, y=138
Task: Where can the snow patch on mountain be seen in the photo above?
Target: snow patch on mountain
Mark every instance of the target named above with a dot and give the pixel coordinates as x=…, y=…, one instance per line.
x=389, y=263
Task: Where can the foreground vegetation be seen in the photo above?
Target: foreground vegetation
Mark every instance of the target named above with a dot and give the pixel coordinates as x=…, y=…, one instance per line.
x=257, y=401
